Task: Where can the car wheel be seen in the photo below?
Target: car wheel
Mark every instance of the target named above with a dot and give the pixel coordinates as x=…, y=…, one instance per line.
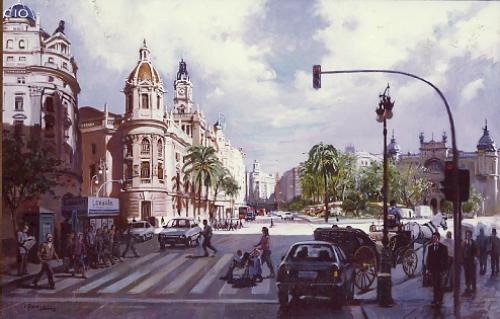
x=283, y=297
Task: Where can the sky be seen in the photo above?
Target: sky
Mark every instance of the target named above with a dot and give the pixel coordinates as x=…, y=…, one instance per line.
x=251, y=60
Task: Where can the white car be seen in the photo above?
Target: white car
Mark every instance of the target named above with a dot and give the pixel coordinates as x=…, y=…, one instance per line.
x=287, y=216
x=183, y=231
x=142, y=230
x=279, y=214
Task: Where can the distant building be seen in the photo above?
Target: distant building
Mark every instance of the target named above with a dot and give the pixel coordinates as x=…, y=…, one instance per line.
x=260, y=186
x=289, y=185
x=363, y=159
x=482, y=164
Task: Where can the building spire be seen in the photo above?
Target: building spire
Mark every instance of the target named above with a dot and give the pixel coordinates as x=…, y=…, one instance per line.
x=144, y=51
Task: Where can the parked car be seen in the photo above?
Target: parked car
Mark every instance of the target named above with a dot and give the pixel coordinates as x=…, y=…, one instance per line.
x=142, y=230
x=315, y=268
x=184, y=231
x=287, y=216
x=250, y=215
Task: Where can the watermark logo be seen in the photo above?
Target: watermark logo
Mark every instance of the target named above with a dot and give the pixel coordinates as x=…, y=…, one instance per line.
x=17, y=12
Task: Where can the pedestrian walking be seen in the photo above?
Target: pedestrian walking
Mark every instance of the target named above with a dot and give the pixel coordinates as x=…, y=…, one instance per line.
x=450, y=245
x=90, y=246
x=115, y=244
x=25, y=242
x=494, y=249
x=265, y=245
x=46, y=253
x=437, y=258
x=482, y=244
x=470, y=252
x=207, y=237
x=130, y=242
x=79, y=255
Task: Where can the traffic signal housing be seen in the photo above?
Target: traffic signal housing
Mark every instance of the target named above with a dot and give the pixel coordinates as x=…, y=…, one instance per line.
x=447, y=186
x=317, y=76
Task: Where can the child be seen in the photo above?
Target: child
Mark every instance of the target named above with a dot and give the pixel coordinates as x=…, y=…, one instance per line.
x=238, y=261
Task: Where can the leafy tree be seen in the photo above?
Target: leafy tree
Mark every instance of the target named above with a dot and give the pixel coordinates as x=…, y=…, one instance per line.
x=412, y=185
x=474, y=202
x=231, y=189
x=29, y=171
x=220, y=175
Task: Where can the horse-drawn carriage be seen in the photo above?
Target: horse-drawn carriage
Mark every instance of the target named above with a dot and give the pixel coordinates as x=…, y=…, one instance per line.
x=365, y=252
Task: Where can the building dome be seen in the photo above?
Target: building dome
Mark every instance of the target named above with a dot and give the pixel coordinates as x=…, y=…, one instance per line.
x=486, y=143
x=144, y=70
x=20, y=10
x=393, y=148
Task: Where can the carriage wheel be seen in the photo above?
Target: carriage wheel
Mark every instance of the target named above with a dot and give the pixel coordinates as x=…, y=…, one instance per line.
x=366, y=268
x=410, y=262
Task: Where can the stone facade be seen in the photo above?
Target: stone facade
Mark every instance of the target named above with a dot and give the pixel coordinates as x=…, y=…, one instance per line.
x=260, y=186
x=40, y=98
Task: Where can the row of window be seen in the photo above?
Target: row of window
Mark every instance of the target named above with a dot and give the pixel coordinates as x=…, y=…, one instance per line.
x=49, y=127
x=145, y=171
x=146, y=148
x=10, y=44
x=50, y=60
x=144, y=102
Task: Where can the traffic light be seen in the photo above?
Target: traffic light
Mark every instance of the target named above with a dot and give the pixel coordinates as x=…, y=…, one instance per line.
x=463, y=185
x=317, y=76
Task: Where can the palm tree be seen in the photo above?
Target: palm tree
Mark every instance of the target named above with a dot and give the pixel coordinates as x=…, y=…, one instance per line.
x=201, y=164
x=221, y=174
x=177, y=189
x=231, y=189
x=324, y=162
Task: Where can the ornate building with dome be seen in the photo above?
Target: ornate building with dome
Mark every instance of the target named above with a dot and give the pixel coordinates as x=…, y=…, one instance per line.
x=138, y=156
x=483, y=166
x=40, y=100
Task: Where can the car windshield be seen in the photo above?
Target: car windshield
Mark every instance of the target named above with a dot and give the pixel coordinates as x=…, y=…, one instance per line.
x=138, y=225
x=312, y=252
x=178, y=223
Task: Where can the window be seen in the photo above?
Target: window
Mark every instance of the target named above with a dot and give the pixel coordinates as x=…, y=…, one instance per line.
x=18, y=103
x=10, y=44
x=129, y=103
x=22, y=59
x=65, y=65
x=177, y=157
x=49, y=126
x=145, y=172
x=158, y=102
x=93, y=146
x=51, y=78
x=145, y=101
x=160, y=149
x=145, y=146
x=129, y=149
x=51, y=60
x=128, y=170
x=92, y=171
x=18, y=127
x=21, y=80
x=10, y=59
x=160, y=171
x=64, y=48
x=49, y=105
x=22, y=44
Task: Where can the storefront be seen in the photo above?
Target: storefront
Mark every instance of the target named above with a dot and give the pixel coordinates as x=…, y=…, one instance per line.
x=82, y=212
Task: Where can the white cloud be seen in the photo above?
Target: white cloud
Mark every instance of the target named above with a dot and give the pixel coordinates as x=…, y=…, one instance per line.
x=470, y=90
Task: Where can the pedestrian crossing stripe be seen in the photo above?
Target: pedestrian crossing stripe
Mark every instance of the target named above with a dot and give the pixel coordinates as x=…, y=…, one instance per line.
x=262, y=288
x=115, y=273
x=182, y=279
x=156, y=277
x=211, y=275
x=138, y=274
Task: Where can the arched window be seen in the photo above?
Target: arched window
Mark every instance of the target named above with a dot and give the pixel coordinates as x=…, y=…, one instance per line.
x=145, y=101
x=49, y=105
x=49, y=126
x=145, y=171
x=129, y=149
x=129, y=103
x=22, y=44
x=160, y=149
x=158, y=102
x=10, y=44
x=145, y=146
x=160, y=171
x=51, y=60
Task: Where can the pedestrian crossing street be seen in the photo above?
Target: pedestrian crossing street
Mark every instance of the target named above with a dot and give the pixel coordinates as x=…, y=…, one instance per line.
x=173, y=275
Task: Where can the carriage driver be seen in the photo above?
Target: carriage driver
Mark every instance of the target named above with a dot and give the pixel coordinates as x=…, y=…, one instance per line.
x=393, y=216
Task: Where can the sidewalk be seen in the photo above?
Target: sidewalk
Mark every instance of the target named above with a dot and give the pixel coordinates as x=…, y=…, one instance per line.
x=413, y=301
x=10, y=277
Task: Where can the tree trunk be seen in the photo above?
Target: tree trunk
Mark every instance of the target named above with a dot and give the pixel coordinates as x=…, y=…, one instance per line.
x=199, y=198
x=327, y=212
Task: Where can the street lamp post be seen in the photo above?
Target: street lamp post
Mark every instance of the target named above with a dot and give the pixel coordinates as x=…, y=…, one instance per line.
x=457, y=214
x=384, y=281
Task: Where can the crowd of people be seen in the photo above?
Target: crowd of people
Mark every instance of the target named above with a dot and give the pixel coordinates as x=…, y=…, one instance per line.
x=440, y=258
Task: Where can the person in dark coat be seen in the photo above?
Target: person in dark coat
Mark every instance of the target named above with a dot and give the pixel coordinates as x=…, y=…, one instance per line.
x=482, y=244
x=207, y=237
x=494, y=250
x=46, y=252
x=437, y=264
x=470, y=252
x=130, y=242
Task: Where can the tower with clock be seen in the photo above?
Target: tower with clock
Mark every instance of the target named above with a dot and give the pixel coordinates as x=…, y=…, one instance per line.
x=183, y=91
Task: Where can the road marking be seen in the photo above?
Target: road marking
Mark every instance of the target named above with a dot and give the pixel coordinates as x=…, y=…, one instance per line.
x=63, y=284
x=137, y=300
x=136, y=275
x=114, y=274
x=228, y=289
x=181, y=280
x=211, y=275
x=155, y=278
x=262, y=288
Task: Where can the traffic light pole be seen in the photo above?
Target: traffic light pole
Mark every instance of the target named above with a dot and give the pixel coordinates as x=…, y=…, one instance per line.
x=457, y=215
